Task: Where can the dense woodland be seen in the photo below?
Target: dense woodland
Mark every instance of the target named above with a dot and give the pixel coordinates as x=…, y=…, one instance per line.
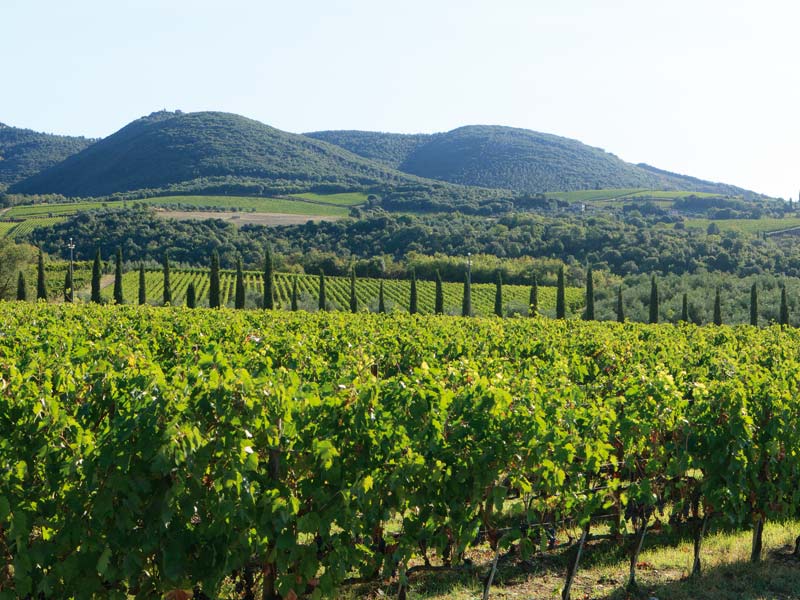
x=623, y=246
x=24, y=152
x=170, y=150
x=221, y=153
x=514, y=159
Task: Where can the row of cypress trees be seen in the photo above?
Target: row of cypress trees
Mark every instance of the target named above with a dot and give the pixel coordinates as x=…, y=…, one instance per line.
x=783, y=318
x=214, y=297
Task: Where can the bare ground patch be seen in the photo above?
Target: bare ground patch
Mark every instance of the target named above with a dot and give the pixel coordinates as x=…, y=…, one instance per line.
x=244, y=218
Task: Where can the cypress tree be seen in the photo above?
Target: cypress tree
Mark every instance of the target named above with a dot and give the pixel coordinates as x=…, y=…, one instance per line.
x=238, y=301
x=498, y=295
x=439, y=300
x=620, y=306
x=22, y=288
x=322, y=299
x=167, y=285
x=653, y=300
x=685, y=308
x=191, y=296
x=96, y=273
x=412, y=301
x=754, y=305
x=717, y=309
x=118, y=297
x=589, y=314
x=41, y=285
x=294, y=293
x=213, y=286
x=466, y=301
x=561, y=309
x=68, y=285
x=784, y=315
x=353, y=299
x=142, y=285
x=381, y=303
x=269, y=294
x=533, y=301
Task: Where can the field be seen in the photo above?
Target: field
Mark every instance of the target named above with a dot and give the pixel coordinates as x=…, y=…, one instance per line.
x=244, y=203
x=6, y=227
x=396, y=292
x=310, y=205
x=345, y=199
x=145, y=451
x=622, y=194
x=752, y=226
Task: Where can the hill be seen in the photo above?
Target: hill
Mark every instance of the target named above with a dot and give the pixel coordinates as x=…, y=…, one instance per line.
x=516, y=159
x=208, y=152
x=24, y=152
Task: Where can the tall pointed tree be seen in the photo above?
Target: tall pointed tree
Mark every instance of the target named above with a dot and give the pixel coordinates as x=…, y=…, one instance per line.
x=412, y=301
x=588, y=314
x=239, y=294
x=97, y=272
x=498, y=294
x=269, y=294
x=754, y=305
x=784, y=314
x=438, y=304
x=717, y=308
x=653, y=300
x=294, y=293
x=41, y=285
x=167, y=284
x=561, y=302
x=533, y=300
x=466, y=301
x=322, y=300
x=22, y=287
x=118, y=296
x=191, y=295
x=685, y=308
x=142, y=285
x=620, y=306
x=381, y=301
x=213, y=285
x=67, y=285
x=353, y=298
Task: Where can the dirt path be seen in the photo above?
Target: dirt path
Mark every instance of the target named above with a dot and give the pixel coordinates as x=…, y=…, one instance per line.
x=105, y=281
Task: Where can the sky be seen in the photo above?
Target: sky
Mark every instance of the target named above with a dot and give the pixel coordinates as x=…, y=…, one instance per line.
x=708, y=88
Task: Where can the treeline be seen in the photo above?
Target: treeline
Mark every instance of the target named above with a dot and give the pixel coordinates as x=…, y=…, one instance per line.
x=623, y=247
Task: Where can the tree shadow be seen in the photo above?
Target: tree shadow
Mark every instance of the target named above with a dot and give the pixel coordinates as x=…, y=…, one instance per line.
x=777, y=577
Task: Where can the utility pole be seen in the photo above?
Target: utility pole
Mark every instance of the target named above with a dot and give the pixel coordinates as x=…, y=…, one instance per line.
x=71, y=247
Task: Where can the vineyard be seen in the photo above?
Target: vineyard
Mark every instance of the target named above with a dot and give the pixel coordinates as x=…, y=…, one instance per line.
x=145, y=450
x=396, y=292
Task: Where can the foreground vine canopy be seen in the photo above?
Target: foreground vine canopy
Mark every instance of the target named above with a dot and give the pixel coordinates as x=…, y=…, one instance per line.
x=145, y=449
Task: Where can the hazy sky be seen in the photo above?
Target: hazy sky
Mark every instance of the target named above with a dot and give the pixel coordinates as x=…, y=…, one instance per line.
x=709, y=88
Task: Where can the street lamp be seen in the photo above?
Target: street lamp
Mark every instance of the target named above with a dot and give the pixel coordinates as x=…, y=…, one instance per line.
x=71, y=247
x=469, y=264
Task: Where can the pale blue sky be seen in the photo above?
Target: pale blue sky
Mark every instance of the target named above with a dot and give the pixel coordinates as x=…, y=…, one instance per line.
x=705, y=87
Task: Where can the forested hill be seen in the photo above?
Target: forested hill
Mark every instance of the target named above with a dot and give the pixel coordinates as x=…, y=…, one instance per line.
x=24, y=152
x=207, y=151
x=515, y=159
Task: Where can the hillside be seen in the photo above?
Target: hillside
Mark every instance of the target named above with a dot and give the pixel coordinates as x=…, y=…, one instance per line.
x=24, y=152
x=207, y=151
x=510, y=158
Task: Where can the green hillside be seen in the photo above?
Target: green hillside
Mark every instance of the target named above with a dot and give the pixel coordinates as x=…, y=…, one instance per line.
x=24, y=152
x=391, y=149
x=208, y=152
x=515, y=159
